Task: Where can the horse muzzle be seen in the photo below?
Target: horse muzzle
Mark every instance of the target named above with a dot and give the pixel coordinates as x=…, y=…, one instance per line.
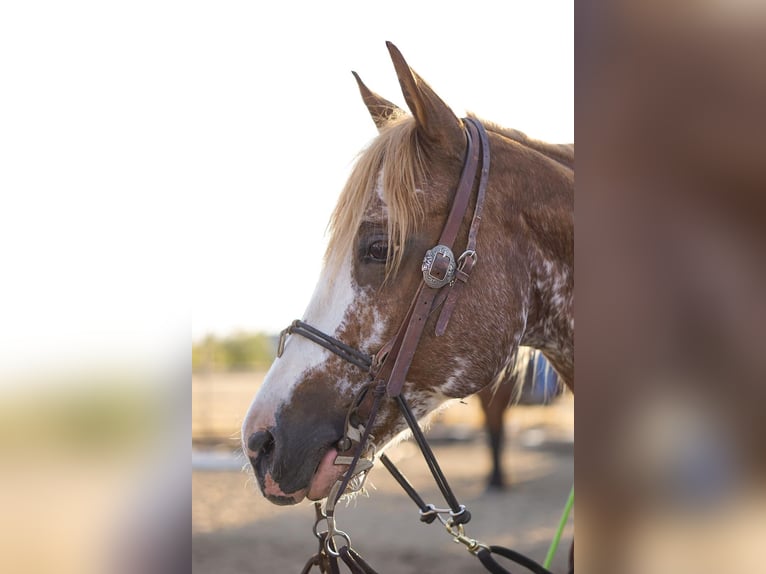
x=295, y=461
x=260, y=450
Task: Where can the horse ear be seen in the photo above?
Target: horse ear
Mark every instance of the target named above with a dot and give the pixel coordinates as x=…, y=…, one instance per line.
x=379, y=107
x=435, y=119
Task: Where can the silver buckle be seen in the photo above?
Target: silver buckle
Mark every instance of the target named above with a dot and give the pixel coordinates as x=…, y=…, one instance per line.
x=438, y=266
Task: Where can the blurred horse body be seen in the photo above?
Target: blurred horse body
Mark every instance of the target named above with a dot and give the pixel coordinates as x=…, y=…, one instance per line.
x=530, y=381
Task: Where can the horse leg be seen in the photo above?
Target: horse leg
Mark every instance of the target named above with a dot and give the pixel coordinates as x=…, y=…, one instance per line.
x=496, y=438
x=494, y=411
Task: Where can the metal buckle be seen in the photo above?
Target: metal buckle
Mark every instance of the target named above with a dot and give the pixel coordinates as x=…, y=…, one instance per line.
x=283, y=338
x=466, y=254
x=438, y=266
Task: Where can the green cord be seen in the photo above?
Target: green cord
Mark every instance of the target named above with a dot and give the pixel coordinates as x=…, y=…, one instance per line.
x=562, y=523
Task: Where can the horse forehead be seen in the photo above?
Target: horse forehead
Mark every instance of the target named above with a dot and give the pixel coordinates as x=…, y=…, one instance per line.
x=377, y=204
x=377, y=208
x=335, y=291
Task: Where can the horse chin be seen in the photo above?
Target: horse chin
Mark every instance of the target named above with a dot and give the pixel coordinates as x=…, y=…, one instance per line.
x=274, y=494
x=325, y=476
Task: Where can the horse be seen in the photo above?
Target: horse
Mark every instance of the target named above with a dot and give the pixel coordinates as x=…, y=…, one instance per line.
x=513, y=285
x=529, y=380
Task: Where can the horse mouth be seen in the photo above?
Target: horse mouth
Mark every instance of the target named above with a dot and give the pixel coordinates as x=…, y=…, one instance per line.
x=325, y=475
x=318, y=486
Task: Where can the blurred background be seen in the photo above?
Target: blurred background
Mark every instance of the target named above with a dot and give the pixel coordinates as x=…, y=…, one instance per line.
x=670, y=282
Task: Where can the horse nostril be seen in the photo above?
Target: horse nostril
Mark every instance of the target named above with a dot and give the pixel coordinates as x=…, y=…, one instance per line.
x=260, y=441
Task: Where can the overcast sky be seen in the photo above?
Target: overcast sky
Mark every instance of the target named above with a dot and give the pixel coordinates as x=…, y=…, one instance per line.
x=170, y=163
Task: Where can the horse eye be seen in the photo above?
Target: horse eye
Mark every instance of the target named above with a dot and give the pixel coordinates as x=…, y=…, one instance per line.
x=378, y=251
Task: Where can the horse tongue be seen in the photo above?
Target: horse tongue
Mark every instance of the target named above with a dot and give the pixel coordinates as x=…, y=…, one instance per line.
x=326, y=475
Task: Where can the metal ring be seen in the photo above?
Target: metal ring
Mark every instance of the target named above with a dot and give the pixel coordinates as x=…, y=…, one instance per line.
x=470, y=253
x=317, y=533
x=282, y=340
x=433, y=510
x=454, y=530
x=331, y=537
x=458, y=513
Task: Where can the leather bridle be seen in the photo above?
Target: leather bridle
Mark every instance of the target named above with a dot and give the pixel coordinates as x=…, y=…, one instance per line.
x=444, y=277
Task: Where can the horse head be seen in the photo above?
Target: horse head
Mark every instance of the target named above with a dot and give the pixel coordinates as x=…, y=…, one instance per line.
x=391, y=211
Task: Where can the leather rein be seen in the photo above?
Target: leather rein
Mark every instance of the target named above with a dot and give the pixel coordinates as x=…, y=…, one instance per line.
x=444, y=276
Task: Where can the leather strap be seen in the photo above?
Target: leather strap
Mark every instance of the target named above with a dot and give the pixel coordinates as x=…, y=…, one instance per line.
x=345, y=352
x=460, y=514
x=486, y=558
x=327, y=563
x=392, y=362
x=425, y=514
x=377, y=393
x=356, y=564
x=468, y=259
x=425, y=296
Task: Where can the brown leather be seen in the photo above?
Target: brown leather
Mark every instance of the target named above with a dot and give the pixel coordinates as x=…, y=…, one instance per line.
x=388, y=368
x=408, y=337
x=356, y=564
x=463, y=272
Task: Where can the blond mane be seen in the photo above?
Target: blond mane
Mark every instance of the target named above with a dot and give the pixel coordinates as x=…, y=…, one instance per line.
x=395, y=156
x=562, y=153
x=394, y=159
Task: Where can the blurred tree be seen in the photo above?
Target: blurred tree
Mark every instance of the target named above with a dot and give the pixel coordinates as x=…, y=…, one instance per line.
x=237, y=352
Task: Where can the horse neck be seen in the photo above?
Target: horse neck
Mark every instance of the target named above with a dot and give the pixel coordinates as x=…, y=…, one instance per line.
x=550, y=317
x=540, y=223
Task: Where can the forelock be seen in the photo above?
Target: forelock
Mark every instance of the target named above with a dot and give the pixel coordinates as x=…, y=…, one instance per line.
x=394, y=160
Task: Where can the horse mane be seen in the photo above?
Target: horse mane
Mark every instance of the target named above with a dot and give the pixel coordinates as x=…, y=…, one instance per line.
x=562, y=153
x=394, y=161
x=520, y=370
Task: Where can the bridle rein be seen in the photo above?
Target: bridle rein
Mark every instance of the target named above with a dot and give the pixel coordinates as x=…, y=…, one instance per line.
x=444, y=276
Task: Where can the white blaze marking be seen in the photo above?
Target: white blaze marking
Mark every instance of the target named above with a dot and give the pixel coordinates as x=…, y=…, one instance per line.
x=375, y=339
x=330, y=304
x=379, y=187
x=378, y=209
x=331, y=299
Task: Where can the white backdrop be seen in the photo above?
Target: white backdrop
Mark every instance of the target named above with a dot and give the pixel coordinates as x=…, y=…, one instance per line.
x=159, y=157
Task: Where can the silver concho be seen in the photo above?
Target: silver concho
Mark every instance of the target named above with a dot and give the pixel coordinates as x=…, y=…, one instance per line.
x=432, y=276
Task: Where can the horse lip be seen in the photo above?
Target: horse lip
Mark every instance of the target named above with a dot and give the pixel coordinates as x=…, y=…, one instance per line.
x=263, y=464
x=322, y=480
x=282, y=500
x=263, y=476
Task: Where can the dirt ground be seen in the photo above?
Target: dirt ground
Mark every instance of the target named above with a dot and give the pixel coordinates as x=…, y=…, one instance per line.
x=235, y=531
